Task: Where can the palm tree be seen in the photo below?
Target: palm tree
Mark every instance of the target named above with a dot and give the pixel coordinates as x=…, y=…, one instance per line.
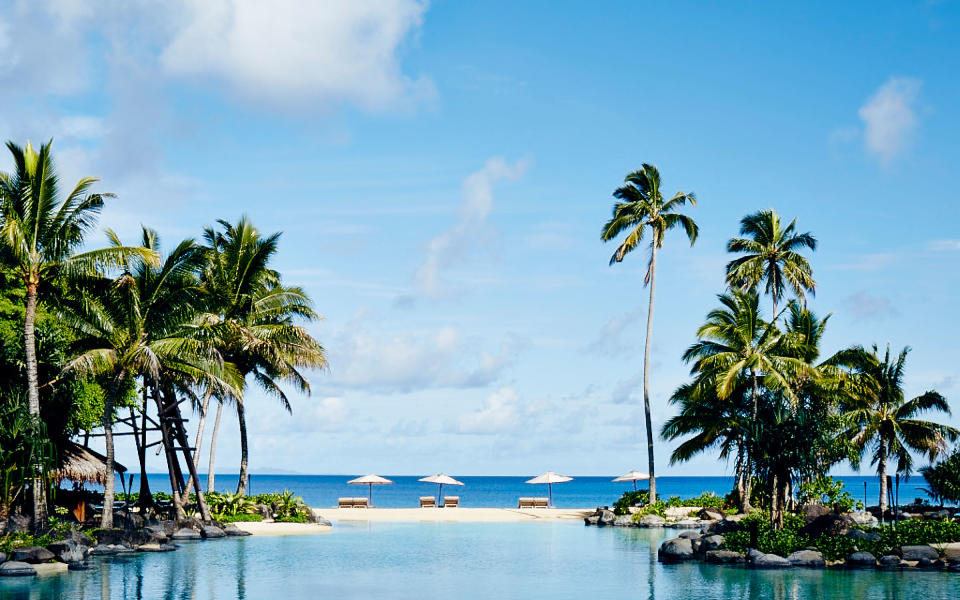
x=138, y=326
x=736, y=345
x=39, y=234
x=252, y=315
x=771, y=256
x=640, y=207
x=884, y=419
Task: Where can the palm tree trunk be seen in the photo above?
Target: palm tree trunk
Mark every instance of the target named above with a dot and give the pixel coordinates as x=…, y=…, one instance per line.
x=882, y=472
x=241, y=417
x=199, y=442
x=37, y=489
x=109, y=476
x=646, y=371
x=143, y=499
x=211, y=473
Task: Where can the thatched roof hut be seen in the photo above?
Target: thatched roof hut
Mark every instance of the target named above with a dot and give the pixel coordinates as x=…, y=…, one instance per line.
x=83, y=465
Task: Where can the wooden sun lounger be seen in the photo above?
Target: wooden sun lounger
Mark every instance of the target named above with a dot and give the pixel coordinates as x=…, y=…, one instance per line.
x=541, y=502
x=525, y=502
x=451, y=501
x=353, y=503
x=428, y=502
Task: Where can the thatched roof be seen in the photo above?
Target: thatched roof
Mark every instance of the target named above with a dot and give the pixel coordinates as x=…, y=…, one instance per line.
x=84, y=465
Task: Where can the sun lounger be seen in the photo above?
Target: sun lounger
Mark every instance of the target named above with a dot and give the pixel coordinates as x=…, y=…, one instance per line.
x=524, y=502
x=427, y=502
x=451, y=501
x=541, y=502
x=353, y=503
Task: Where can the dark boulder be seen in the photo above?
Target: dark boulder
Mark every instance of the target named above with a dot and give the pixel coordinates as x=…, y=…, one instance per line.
x=185, y=533
x=31, y=554
x=830, y=524
x=125, y=520
x=769, y=561
x=918, y=552
x=724, y=557
x=675, y=550
x=210, y=532
x=859, y=534
x=690, y=535
x=18, y=524
x=313, y=517
x=3, y=556
x=938, y=515
x=606, y=518
x=13, y=568
x=709, y=543
x=68, y=551
x=652, y=521
x=807, y=558
x=811, y=512
x=233, y=531
x=861, y=559
x=890, y=561
x=79, y=566
x=711, y=514
x=591, y=520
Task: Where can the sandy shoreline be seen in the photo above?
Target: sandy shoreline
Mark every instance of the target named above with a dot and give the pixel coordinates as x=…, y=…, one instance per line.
x=457, y=515
x=270, y=528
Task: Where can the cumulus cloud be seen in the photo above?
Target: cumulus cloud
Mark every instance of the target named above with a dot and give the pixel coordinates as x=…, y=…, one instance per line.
x=609, y=340
x=499, y=413
x=403, y=362
x=866, y=306
x=890, y=118
x=300, y=53
x=451, y=247
x=329, y=414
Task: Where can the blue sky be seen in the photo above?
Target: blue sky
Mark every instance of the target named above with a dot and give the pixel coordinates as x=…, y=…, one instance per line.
x=441, y=173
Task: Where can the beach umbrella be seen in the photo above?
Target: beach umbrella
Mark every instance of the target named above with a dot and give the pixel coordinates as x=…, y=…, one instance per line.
x=370, y=480
x=633, y=476
x=550, y=478
x=441, y=479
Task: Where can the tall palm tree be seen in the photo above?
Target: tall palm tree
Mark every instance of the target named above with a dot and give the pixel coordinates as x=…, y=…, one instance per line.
x=736, y=345
x=771, y=257
x=39, y=234
x=254, y=318
x=640, y=206
x=884, y=419
x=138, y=325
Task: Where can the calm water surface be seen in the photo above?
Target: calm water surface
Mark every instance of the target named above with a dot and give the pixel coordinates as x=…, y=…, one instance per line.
x=456, y=560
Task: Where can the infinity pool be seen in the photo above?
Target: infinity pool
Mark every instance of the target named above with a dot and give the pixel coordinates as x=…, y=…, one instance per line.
x=420, y=561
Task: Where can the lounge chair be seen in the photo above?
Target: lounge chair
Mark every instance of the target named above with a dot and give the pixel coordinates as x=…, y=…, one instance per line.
x=344, y=502
x=541, y=502
x=353, y=503
x=524, y=502
x=428, y=502
x=451, y=501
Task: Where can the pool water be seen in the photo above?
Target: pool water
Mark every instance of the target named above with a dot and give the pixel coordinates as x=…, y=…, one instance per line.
x=456, y=560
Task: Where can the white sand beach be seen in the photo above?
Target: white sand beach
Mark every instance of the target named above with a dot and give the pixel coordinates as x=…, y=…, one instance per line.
x=271, y=528
x=476, y=515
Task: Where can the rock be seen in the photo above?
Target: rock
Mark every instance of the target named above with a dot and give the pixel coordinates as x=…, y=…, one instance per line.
x=918, y=552
x=675, y=550
x=80, y=538
x=861, y=559
x=313, y=517
x=158, y=533
x=233, y=531
x=13, y=568
x=606, y=517
x=679, y=512
x=79, y=566
x=624, y=521
x=810, y=512
x=770, y=561
x=711, y=514
x=686, y=524
x=735, y=518
x=724, y=557
x=155, y=527
x=263, y=510
x=185, y=534
x=889, y=561
x=652, y=521
x=210, y=532
x=864, y=519
x=31, y=554
x=859, y=534
x=807, y=558
x=938, y=515
x=104, y=550
x=3, y=556
x=926, y=563
x=690, y=535
x=68, y=551
x=830, y=524
x=753, y=553
x=709, y=543
x=153, y=547
x=18, y=524
x=125, y=520
x=591, y=520
x=724, y=526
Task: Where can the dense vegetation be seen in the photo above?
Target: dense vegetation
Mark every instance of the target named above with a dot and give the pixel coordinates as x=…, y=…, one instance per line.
x=90, y=339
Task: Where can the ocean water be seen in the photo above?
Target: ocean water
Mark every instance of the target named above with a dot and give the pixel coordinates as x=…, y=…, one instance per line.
x=423, y=561
x=322, y=491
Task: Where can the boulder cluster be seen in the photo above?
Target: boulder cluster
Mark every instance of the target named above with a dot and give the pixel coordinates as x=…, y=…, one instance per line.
x=131, y=535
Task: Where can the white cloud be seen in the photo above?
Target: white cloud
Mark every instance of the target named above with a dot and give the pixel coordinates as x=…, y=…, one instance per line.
x=499, y=413
x=890, y=118
x=609, y=340
x=290, y=52
x=866, y=306
x=327, y=414
x=403, y=362
x=450, y=247
x=945, y=245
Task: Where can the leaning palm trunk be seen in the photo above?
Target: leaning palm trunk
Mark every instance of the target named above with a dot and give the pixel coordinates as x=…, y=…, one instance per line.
x=199, y=442
x=211, y=477
x=882, y=472
x=242, y=483
x=37, y=489
x=646, y=372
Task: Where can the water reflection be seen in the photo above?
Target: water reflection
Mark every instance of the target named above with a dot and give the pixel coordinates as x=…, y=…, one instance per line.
x=466, y=561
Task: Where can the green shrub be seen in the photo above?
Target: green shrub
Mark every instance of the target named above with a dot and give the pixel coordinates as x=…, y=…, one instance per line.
x=709, y=500
x=292, y=519
x=675, y=501
x=628, y=499
x=251, y=518
x=827, y=491
x=943, y=479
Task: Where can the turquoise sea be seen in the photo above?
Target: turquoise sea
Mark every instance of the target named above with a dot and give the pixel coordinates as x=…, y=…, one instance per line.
x=498, y=492
x=421, y=561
